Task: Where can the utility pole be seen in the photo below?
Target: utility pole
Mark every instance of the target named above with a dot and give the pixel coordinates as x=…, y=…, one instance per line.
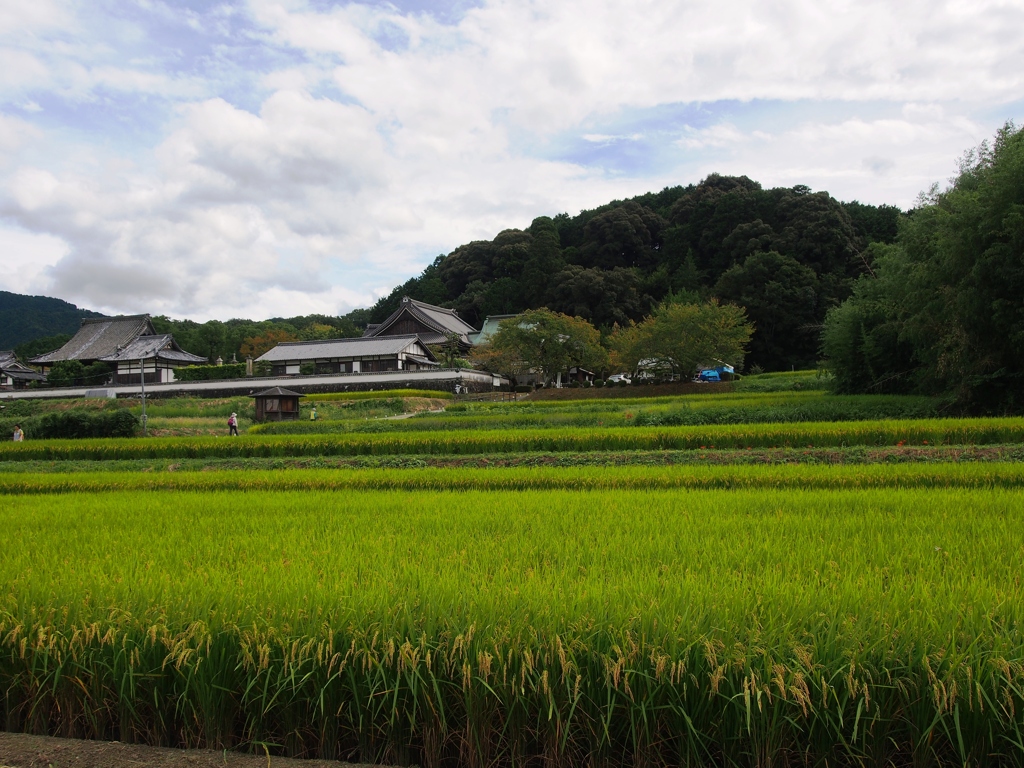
x=142, y=381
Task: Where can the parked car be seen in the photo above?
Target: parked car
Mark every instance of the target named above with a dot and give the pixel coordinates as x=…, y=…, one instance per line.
x=709, y=374
x=615, y=378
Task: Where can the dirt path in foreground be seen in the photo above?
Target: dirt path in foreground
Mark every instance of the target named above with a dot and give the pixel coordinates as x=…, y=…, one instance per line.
x=19, y=750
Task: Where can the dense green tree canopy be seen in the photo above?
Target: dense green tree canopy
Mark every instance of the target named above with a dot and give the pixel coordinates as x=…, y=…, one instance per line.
x=943, y=310
x=781, y=297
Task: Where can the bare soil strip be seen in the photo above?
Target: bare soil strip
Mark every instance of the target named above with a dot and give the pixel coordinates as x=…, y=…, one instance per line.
x=20, y=750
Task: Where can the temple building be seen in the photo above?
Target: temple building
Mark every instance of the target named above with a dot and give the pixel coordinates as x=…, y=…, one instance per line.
x=364, y=355
x=433, y=325
x=14, y=374
x=128, y=342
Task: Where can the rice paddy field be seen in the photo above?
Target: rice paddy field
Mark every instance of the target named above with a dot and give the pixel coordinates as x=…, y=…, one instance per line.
x=509, y=586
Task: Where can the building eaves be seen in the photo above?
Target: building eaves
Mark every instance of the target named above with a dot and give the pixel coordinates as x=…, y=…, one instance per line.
x=366, y=346
x=160, y=346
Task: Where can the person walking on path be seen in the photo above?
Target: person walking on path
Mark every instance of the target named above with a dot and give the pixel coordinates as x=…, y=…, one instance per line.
x=233, y=425
x=19, y=436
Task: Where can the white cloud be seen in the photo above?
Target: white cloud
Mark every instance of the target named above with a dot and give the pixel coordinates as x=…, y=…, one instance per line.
x=24, y=259
x=14, y=134
x=604, y=138
x=875, y=161
x=345, y=147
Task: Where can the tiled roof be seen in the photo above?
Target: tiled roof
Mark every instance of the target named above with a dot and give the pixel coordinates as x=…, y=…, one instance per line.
x=439, y=320
x=160, y=346
x=488, y=329
x=99, y=338
x=333, y=348
x=10, y=366
x=277, y=392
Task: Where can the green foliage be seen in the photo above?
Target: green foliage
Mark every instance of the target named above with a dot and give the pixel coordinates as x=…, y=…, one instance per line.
x=27, y=318
x=29, y=349
x=681, y=337
x=76, y=424
x=784, y=381
x=834, y=409
x=72, y=373
x=66, y=373
x=780, y=296
x=988, y=431
x=1003, y=475
x=210, y=372
x=488, y=626
x=549, y=342
x=943, y=312
x=307, y=369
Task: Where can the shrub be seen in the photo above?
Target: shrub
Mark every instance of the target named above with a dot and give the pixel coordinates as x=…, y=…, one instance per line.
x=524, y=388
x=83, y=424
x=210, y=372
x=598, y=382
x=307, y=369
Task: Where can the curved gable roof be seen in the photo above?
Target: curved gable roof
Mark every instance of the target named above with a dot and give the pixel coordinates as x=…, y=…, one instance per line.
x=100, y=337
x=437, y=319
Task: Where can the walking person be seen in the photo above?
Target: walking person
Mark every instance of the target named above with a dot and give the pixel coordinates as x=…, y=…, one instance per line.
x=19, y=436
x=233, y=425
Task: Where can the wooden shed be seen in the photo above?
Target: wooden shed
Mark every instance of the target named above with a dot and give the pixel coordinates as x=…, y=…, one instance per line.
x=277, y=404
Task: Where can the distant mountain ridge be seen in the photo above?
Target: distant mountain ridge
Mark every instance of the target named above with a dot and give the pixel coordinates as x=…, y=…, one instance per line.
x=26, y=318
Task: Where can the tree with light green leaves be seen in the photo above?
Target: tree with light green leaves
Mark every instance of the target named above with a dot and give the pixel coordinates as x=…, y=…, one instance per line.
x=548, y=342
x=681, y=337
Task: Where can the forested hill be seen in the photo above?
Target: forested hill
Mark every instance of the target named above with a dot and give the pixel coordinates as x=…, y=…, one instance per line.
x=26, y=318
x=786, y=254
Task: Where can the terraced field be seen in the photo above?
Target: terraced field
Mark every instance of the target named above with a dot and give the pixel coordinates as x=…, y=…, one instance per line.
x=772, y=592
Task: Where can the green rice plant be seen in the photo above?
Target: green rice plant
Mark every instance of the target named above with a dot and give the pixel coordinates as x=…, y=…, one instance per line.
x=784, y=380
x=949, y=475
x=722, y=409
x=982, y=431
x=621, y=627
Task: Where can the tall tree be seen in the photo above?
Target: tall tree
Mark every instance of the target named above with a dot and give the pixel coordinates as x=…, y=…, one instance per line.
x=781, y=298
x=549, y=342
x=951, y=290
x=681, y=337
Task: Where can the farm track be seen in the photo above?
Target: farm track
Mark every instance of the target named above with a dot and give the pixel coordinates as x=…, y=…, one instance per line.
x=23, y=750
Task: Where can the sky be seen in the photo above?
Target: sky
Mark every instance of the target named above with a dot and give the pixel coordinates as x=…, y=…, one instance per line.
x=268, y=158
